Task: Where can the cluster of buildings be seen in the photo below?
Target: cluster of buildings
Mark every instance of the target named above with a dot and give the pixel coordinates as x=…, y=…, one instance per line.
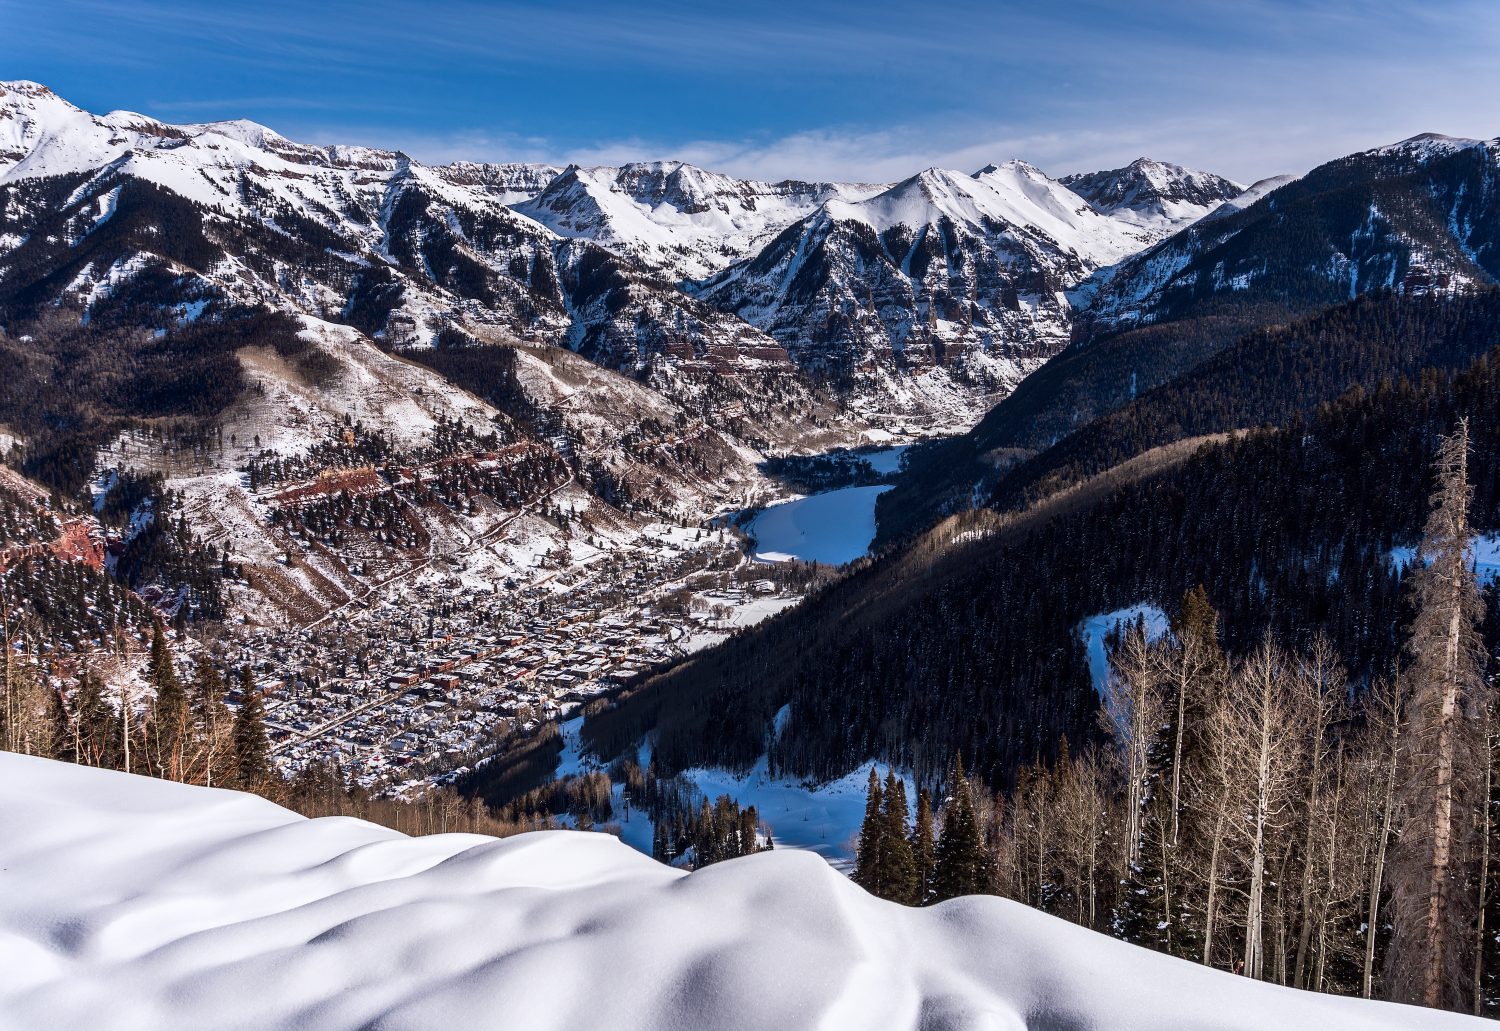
x=418, y=682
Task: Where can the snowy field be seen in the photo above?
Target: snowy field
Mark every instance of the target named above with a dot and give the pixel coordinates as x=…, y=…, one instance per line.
x=1095, y=629
x=1484, y=553
x=131, y=904
x=834, y=527
x=887, y=460
x=819, y=818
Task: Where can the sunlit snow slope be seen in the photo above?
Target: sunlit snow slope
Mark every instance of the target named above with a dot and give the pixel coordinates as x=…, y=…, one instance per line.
x=132, y=903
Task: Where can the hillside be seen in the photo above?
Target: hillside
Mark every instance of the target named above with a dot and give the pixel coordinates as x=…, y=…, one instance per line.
x=966, y=640
x=1414, y=218
x=1266, y=377
x=1417, y=215
x=130, y=903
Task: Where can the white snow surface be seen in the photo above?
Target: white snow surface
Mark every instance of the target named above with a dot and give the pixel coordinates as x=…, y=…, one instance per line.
x=1013, y=194
x=1484, y=556
x=1253, y=193
x=130, y=903
x=834, y=527
x=1095, y=629
x=887, y=460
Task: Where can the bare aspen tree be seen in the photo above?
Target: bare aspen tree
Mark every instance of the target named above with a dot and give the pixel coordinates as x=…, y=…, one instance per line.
x=1133, y=717
x=1031, y=825
x=1211, y=789
x=1081, y=799
x=1318, y=697
x=1483, y=876
x=1256, y=726
x=1385, y=735
x=1188, y=669
x=1432, y=912
x=1336, y=903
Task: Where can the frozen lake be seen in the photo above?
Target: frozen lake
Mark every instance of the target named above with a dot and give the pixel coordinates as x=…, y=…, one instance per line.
x=834, y=528
x=886, y=460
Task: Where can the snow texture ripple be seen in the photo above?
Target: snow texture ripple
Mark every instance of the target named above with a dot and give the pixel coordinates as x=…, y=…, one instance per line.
x=129, y=903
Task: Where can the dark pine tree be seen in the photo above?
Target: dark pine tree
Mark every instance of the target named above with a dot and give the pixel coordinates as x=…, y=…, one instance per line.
x=252, y=750
x=900, y=868
x=963, y=864
x=924, y=857
x=169, y=711
x=869, y=863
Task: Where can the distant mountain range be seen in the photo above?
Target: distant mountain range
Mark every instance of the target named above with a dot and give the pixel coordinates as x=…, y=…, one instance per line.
x=924, y=299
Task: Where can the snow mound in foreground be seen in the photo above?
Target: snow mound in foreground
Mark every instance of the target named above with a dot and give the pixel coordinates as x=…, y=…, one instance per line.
x=132, y=903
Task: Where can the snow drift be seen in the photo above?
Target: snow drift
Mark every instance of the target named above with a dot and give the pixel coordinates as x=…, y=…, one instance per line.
x=132, y=903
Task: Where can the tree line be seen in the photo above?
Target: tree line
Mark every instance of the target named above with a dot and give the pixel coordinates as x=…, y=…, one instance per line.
x=968, y=640
x=1260, y=811
x=120, y=713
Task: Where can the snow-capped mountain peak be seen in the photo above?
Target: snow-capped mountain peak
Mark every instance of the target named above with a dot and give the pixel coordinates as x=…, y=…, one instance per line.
x=1429, y=146
x=963, y=278
x=1157, y=196
x=251, y=134
x=674, y=216
x=1013, y=196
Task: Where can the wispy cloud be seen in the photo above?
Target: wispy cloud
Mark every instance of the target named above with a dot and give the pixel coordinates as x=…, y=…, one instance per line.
x=891, y=155
x=871, y=89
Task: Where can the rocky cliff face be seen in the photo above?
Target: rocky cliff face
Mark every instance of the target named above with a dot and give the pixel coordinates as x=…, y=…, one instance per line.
x=925, y=300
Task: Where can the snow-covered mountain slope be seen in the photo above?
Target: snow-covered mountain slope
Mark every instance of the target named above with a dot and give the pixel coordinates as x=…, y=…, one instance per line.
x=121, y=212
x=1156, y=196
x=130, y=903
x=510, y=182
x=944, y=281
x=1420, y=215
x=1254, y=192
x=921, y=301
x=680, y=220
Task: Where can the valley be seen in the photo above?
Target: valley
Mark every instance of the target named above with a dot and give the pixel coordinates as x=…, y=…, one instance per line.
x=424, y=672
x=964, y=532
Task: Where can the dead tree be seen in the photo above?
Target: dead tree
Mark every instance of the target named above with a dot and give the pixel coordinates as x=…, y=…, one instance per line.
x=1432, y=909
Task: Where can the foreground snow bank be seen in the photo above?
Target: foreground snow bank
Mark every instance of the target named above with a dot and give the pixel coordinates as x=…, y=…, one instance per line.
x=132, y=903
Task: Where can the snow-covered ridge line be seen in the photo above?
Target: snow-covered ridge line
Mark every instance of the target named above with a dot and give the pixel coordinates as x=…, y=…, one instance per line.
x=923, y=301
x=669, y=214
x=133, y=903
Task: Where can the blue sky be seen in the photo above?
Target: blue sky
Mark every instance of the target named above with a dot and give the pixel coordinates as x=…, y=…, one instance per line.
x=870, y=90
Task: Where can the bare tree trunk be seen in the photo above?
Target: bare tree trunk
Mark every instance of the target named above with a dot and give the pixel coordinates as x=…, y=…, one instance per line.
x=1447, y=661
x=1484, y=864
x=125, y=723
x=1181, y=679
x=1134, y=723
x=1213, y=888
x=1377, y=868
x=1166, y=890
x=1254, y=915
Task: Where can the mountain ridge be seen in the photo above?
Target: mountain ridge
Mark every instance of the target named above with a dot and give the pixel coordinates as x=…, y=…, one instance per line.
x=616, y=263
